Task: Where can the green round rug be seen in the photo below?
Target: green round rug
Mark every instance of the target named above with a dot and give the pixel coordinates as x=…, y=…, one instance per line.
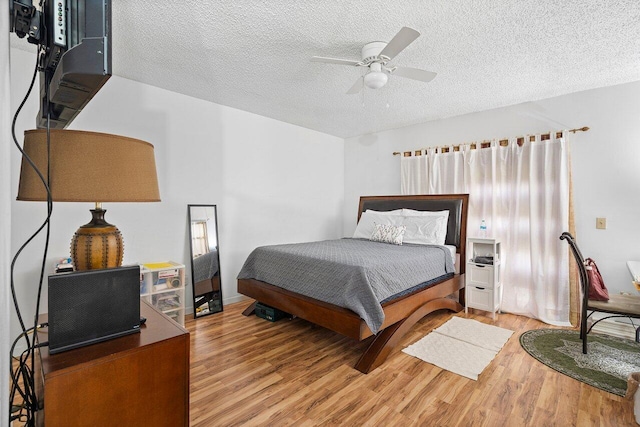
x=607, y=365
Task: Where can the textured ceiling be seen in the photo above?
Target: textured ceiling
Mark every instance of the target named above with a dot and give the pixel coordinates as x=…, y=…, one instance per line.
x=254, y=55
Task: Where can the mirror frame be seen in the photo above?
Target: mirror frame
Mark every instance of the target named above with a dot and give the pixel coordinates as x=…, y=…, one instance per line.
x=193, y=280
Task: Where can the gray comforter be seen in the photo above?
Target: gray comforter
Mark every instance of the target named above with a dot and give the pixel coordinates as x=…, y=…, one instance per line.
x=352, y=273
x=205, y=266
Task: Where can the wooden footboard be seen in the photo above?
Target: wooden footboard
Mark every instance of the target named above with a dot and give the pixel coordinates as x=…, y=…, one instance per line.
x=400, y=314
x=387, y=339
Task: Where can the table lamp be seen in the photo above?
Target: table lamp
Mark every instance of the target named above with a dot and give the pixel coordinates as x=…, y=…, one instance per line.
x=90, y=167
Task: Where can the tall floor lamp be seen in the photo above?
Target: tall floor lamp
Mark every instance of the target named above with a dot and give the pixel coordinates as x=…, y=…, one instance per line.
x=90, y=167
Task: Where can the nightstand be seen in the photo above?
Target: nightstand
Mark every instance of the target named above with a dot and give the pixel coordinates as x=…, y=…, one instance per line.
x=136, y=380
x=483, y=282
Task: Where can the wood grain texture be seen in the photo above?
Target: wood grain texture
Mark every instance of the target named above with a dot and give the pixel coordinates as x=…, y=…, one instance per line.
x=400, y=314
x=342, y=320
x=387, y=340
x=139, y=379
x=248, y=371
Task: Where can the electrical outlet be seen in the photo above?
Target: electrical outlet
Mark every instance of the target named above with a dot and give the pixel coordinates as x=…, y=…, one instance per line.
x=601, y=223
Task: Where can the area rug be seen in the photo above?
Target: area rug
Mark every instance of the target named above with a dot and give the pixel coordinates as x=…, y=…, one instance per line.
x=607, y=365
x=462, y=346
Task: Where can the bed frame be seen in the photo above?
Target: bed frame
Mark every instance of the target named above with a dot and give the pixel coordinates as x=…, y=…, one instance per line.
x=400, y=314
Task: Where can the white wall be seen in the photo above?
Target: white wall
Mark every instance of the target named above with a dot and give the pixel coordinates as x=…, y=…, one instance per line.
x=273, y=182
x=605, y=164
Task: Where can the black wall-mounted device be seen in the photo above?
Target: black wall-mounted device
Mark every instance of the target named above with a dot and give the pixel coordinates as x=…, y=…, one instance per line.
x=74, y=52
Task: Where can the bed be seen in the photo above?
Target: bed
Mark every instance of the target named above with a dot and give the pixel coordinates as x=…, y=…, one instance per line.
x=400, y=312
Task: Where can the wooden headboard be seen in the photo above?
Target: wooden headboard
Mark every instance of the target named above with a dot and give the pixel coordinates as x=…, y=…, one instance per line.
x=456, y=204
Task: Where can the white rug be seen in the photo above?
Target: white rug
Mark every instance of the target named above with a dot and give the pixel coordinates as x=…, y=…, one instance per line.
x=462, y=346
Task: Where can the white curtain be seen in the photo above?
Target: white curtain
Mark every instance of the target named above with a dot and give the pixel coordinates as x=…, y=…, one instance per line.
x=5, y=211
x=199, y=238
x=522, y=192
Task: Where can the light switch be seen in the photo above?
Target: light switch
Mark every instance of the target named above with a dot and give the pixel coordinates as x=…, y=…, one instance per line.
x=601, y=223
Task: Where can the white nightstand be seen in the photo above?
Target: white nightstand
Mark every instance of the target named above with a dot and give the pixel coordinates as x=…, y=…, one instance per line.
x=483, y=281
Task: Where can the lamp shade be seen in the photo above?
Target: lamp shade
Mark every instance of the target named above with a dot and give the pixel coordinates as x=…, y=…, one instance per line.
x=89, y=167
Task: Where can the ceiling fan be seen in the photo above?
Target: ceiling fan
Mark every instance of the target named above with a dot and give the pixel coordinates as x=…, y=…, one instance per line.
x=376, y=56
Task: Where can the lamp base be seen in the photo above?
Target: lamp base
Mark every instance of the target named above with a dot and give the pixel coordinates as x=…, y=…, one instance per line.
x=97, y=244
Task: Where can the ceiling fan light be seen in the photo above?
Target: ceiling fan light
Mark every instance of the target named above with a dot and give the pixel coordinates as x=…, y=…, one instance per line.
x=375, y=79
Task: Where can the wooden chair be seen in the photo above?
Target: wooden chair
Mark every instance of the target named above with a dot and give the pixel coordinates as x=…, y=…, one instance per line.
x=617, y=306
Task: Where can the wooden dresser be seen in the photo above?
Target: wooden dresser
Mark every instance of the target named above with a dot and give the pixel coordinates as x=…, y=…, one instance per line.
x=136, y=380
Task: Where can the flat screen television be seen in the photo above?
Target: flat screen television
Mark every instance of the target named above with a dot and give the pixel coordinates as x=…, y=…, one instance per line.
x=74, y=49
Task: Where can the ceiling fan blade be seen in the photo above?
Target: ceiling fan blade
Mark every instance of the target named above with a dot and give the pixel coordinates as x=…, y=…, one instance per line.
x=415, y=74
x=399, y=42
x=357, y=86
x=334, y=60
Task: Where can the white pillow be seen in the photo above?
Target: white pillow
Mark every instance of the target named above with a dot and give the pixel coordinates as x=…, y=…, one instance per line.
x=393, y=212
x=366, y=225
x=412, y=212
x=388, y=233
x=429, y=229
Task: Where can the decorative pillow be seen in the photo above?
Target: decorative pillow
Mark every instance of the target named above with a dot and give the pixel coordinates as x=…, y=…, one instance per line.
x=388, y=233
x=368, y=219
x=426, y=229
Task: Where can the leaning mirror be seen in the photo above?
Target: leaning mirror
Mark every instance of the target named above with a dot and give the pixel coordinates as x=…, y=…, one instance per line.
x=205, y=260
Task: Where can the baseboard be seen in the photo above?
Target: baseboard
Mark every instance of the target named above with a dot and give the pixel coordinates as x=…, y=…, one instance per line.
x=238, y=298
x=619, y=327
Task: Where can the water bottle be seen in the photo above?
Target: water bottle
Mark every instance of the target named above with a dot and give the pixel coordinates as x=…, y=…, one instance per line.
x=483, y=229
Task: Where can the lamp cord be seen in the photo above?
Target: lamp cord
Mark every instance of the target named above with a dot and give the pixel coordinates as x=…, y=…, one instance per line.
x=23, y=381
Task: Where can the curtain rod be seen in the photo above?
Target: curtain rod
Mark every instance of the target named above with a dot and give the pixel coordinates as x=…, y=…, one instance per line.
x=503, y=142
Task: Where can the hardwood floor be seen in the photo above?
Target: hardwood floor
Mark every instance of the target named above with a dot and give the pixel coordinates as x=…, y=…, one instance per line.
x=248, y=371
